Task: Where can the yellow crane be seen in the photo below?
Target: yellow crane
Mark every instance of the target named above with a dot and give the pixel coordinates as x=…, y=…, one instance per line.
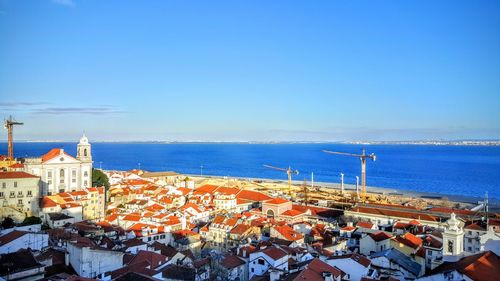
x=9, y=125
x=289, y=172
x=363, y=158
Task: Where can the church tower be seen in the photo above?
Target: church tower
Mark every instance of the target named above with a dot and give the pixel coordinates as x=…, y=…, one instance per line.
x=453, y=238
x=84, y=152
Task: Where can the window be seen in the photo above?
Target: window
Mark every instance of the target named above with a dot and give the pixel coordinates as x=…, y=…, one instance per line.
x=1, y=194
x=261, y=262
x=85, y=183
x=85, y=174
x=85, y=152
x=4, y=185
x=12, y=194
x=49, y=174
x=20, y=193
x=61, y=176
x=15, y=184
x=29, y=193
x=450, y=246
x=20, y=201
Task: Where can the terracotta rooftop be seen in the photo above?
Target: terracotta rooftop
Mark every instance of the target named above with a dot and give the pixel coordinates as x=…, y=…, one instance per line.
x=277, y=201
x=232, y=261
x=380, y=236
x=252, y=195
x=274, y=253
x=11, y=236
x=396, y=213
x=483, y=266
x=54, y=152
x=16, y=175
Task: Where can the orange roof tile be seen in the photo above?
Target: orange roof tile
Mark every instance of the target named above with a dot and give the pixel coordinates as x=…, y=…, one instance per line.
x=277, y=201
x=16, y=175
x=54, y=153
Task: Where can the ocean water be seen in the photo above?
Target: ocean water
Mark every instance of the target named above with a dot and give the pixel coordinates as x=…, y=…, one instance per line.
x=458, y=170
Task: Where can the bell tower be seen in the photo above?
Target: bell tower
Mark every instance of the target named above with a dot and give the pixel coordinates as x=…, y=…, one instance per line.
x=453, y=238
x=84, y=152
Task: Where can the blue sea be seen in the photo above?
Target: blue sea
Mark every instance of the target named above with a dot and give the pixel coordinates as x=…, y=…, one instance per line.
x=456, y=170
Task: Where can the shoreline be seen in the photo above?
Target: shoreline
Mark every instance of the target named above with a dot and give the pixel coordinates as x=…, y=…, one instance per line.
x=493, y=202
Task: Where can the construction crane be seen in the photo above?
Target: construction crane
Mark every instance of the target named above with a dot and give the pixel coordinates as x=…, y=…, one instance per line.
x=9, y=125
x=289, y=172
x=363, y=158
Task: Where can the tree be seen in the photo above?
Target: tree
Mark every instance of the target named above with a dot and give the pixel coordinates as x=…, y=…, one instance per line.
x=99, y=179
x=8, y=222
x=31, y=220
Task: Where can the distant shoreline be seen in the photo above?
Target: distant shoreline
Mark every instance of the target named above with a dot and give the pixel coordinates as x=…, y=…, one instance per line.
x=428, y=143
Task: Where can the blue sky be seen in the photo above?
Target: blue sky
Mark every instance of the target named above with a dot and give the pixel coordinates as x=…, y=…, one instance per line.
x=251, y=70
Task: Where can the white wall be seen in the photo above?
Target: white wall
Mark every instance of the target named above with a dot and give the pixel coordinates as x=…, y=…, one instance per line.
x=35, y=241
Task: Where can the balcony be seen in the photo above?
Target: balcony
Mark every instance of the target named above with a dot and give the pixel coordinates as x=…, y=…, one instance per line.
x=20, y=196
x=12, y=196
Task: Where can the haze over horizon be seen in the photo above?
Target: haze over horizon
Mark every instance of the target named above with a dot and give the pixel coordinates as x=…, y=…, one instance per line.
x=256, y=71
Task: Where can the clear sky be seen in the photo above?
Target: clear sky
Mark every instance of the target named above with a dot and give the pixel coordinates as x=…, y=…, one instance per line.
x=251, y=70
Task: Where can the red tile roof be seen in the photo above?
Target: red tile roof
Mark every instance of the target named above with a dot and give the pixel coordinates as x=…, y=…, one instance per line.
x=11, y=236
x=17, y=166
x=46, y=202
x=16, y=175
x=380, y=236
x=292, y=213
x=252, y=195
x=409, y=240
x=207, y=188
x=277, y=201
x=240, y=229
x=318, y=267
x=365, y=224
x=395, y=213
x=227, y=190
x=288, y=233
x=232, y=261
x=274, y=253
x=54, y=152
x=483, y=266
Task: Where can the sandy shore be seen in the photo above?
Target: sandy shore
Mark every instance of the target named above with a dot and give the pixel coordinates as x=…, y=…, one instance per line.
x=494, y=203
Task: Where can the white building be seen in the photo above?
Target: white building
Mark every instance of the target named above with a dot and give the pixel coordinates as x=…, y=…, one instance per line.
x=356, y=265
x=17, y=239
x=90, y=261
x=61, y=172
x=271, y=257
x=19, y=193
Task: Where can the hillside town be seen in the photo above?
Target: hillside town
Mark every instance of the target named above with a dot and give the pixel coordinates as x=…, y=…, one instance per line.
x=143, y=225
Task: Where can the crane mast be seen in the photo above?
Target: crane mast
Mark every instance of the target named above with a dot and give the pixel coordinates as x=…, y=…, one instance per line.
x=363, y=158
x=289, y=173
x=9, y=125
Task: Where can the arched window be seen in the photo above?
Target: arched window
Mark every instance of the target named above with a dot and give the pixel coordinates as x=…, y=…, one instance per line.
x=61, y=175
x=85, y=152
x=270, y=213
x=450, y=246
